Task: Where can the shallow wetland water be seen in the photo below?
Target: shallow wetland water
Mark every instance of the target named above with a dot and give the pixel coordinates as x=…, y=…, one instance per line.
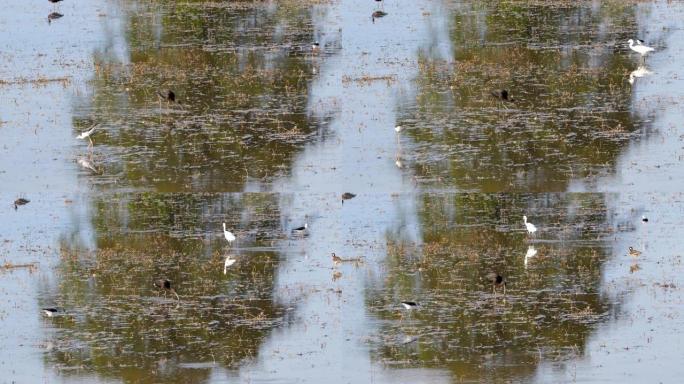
x=267, y=132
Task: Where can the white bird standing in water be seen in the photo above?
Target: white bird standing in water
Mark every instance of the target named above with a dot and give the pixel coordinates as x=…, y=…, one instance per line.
x=229, y=261
x=228, y=235
x=531, y=228
x=643, y=50
x=531, y=252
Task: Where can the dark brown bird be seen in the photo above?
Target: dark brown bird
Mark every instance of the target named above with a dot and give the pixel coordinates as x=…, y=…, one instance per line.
x=165, y=285
x=501, y=94
x=336, y=259
x=377, y=15
x=497, y=281
x=54, y=16
x=20, y=201
x=347, y=196
x=169, y=96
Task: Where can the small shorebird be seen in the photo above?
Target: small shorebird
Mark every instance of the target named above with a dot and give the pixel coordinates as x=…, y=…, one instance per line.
x=634, y=252
x=347, y=196
x=228, y=235
x=165, y=285
x=51, y=312
x=531, y=228
x=301, y=230
x=315, y=46
x=336, y=259
x=229, y=261
x=639, y=47
x=408, y=305
x=644, y=219
x=377, y=15
x=54, y=16
x=87, y=134
x=168, y=96
x=501, y=94
x=497, y=281
x=20, y=201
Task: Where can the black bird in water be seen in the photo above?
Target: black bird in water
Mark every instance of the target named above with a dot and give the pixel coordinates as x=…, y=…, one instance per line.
x=497, y=281
x=347, y=196
x=54, y=16
x=20, y=201
x=165, y=285
x=377, y=15
x=501, y=94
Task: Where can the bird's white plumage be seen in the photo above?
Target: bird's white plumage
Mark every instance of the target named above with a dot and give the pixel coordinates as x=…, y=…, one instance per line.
x=228, y=235
x=531, y=228
x=639, y=47
x=397, y=129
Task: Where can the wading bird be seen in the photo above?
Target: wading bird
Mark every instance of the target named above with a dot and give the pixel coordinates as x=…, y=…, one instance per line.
x=20, y=201
x=301, y=230
x=497, y=281
x=501, y=94
x=634, y=252
x=165, y=285
x=336, y=259
x=377, y=15
x=88, y=133
x=531, y=228
x=644, y=219
x=51, y=312
x=408, y=305
x=639, y=47
x=54, y=16
x=228, y=235
x=397, y=129
x=347, y=196
x=315, y=46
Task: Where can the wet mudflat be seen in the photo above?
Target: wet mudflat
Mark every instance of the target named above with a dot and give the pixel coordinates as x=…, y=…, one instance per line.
x=277, y=110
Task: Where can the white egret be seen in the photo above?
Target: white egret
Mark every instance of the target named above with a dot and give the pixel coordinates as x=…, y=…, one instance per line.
x=642, y=49
x=531, y=228
x=531, y=252
x=228, y=235
x=229, y=261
